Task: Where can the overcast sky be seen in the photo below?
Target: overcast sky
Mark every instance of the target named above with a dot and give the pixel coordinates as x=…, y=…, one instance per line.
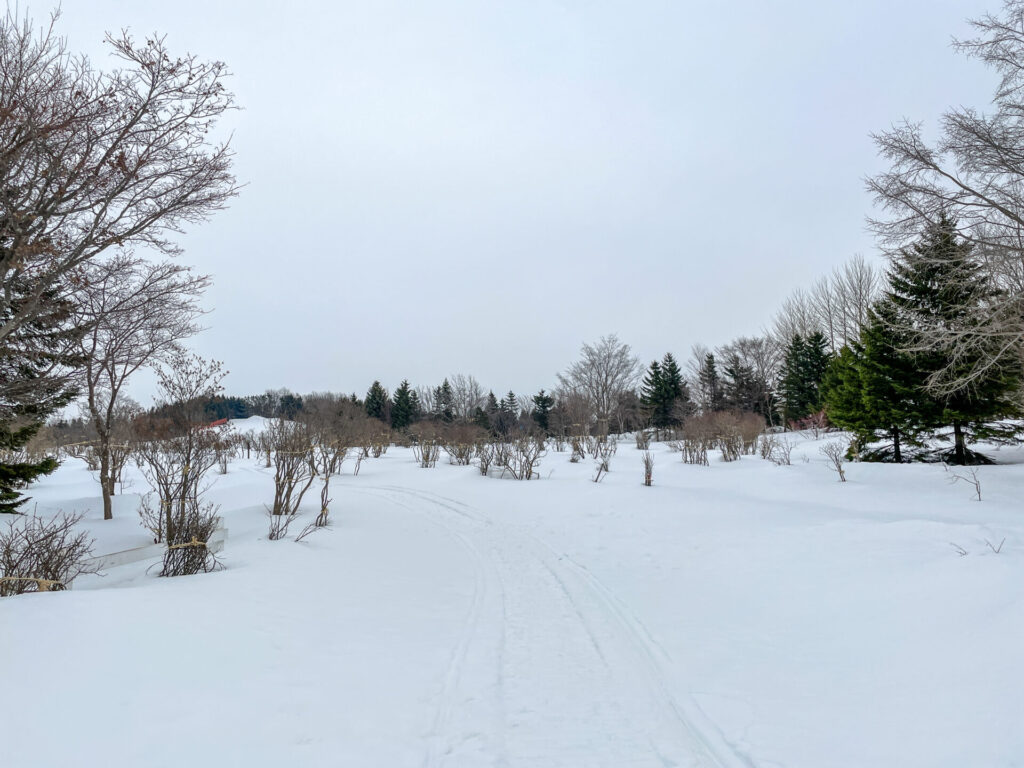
x=438, y=187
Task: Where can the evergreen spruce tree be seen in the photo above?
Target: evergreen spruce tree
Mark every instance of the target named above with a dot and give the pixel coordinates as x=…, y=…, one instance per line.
x=35, y=362
x=543, y=403
x=403, y=409
x=289, y=405
x=815, y=364
x=481, y=419
x=445, y=402
x=510, y=405
x=873, y=390
x=791, y=381
x=16, y=475
x=651, y=391
x=940, y=283
x=710, y=385
x=492, y=403
x=377, y=403
x=505, y=417
x=806, y=361
x=739, y=387
x=677, y=394
x=664, y=393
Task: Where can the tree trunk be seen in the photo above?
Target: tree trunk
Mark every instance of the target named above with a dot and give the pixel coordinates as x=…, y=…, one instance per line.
x=959, y=444
x=897, y=456
x=106, y=481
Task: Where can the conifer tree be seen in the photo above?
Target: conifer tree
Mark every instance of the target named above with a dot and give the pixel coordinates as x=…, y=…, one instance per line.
x=510, y=405
x=940, y=282
x=377, y=402
x=873, y=390
x=710, y=385
x=289, y=405
x=444, y=402
x=36, y=363
x=739, y=387
x=481, y=419
x=664, y=393
x=803, y=370
x=678, y=404
x=403, y=410
x=651, y=390
x=543, y=403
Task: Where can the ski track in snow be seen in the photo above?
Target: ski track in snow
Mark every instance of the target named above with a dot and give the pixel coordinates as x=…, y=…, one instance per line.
x=509, y=698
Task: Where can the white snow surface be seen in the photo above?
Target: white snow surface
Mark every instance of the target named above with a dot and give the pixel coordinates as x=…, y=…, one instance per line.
x=735, y=615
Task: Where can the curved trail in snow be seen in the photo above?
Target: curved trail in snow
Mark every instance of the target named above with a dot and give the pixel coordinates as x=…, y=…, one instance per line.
x=551, y=668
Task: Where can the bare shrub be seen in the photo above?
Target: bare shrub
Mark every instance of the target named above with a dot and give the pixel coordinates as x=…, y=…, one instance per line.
x=815, y=423
x=698, y=435
x=38, y=555
x=603, y=468
x=694, y=451
x=85, y=451
x=600, y=446
x=328, y=456
x=750, y=427
x=779, y=450
x=279, y=525
x=175, y=450
x=189, y=552
x=152, y=517
x=523, y=456
x=643, y=439
x=309, y=530
x=648, y=468
x=264, y=449
x=293, y=465
x=728, y=434
x=967, y=475
x=223, y=453
x=461, y=442
x=484, y=457
x=427, y=451
x=578, y=452
x=730, y=443
x=835, y=452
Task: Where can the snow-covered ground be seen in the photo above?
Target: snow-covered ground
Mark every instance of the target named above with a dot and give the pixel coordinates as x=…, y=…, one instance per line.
x=734, y=615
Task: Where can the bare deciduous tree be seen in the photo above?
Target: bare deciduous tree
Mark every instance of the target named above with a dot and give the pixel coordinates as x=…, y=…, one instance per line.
x=604, y=371
x=840, y=301
x=796, y=317
x=92, y=161
x=467, y=396
x=136, y=313
x=973, y=174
